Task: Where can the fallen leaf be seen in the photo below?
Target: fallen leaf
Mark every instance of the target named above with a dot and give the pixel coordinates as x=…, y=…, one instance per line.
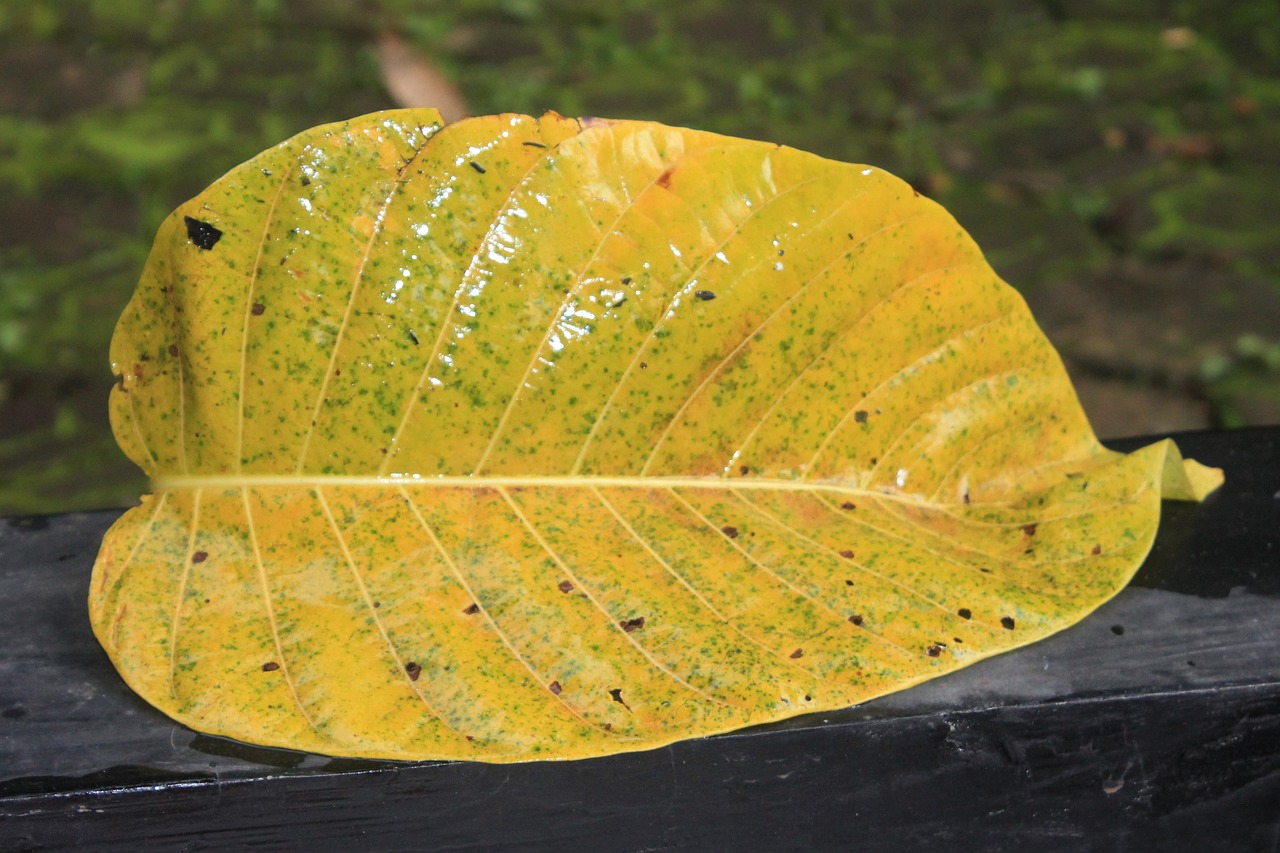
x=520, y=438
x=413, y=81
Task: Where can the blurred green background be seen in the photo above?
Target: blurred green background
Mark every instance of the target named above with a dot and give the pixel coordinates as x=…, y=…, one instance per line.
x=1119, y=160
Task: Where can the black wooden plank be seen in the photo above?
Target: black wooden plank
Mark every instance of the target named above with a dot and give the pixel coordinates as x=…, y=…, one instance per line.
x=1166, y=732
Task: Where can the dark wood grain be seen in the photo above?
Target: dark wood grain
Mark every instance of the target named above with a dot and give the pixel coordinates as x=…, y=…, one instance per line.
x=1154, y=723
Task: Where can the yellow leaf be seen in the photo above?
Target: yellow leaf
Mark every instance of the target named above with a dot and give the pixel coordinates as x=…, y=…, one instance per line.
x=537, y=438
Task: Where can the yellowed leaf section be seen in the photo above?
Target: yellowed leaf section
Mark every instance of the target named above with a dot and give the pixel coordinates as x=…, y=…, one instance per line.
x=537, y=438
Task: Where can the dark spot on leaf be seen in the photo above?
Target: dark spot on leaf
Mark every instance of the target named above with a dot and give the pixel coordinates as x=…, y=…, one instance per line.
x=472, y=609
x=808, y=698
x=933, y=651
x=847, y=554
x=1097, y=549
x=848, y=505
x=644, y=366
x=1029, y=529
x=413, y=337
x=270, y=666
x=533, y=144
x=173, y=350
x=664, y=180
x=874, y=460
x=966, y=498
x=377, y=604
x=616, y=693
x=860, y=416
x=1118, y=630
x=413, y=670
x=798, y=653
x=848, y=582
x=730, y=531
x=704, y=295
x=856, y=619
x=630, y=625
x=306, y=181
x=471, y=737
x=984, y=570
x=1007, y=622
x=554, y=687
x=477, y=167
x=744, y=470
x=964, y=613
x=565, y=586
x=258, y=309
x=626, y=279
x=199, y=556
x=204, y=235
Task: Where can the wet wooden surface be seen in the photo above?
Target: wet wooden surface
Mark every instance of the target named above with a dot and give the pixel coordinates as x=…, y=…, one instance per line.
x=1154, y=723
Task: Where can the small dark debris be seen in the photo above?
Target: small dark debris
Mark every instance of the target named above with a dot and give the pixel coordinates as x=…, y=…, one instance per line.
x=860, y=416
x=199, y=556
x=798, y=653
x=630, y=625
x=1007, y=622
x=847, y=554
x=472, y=610
x=808, y=698
x=626, y=279
x=377, y=604
x=1097, y=549
x=934, y=650
x=848, y=505
x=1118, y=630
x=730, y=531
x=477, y=167
x=966, y=498
x=173, y=350
x=471, y=737
x=848, y=582
x=270, y=666
x=413, y=337
x=744, y=470
x=1029, y=529
x=555, y=688
x=565, y=586
x=964, y=613
x=984, y=570
x=413, y=670
x=644, y=366
x=704, y=295
x=532, y=144
x=258, y=309
x=856, y=619
x=204, y=235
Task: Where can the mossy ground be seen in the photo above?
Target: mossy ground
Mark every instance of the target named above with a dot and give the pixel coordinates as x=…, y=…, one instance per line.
x=1118, y=161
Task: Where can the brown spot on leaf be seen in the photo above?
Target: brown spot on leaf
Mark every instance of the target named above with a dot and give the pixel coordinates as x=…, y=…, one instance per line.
x=173, y=350
x=634, y=624
x=616, y=694
x=565, y=586
x=730, y=531
x=964, y=613
x=413, y=670
x=664, y=180
x=744, y=470
x=704, y=295
x=934, y=650
x=472, y=609
x=848, y=505
x=860, y=416
x=1007, y=622
x=798, y=653
x=199, y=556
x=258, y=309
x=1097, y=549
x=1029, y=529
x=847, y=554
x=856, y=619
x=554, y=687
x=270, y=666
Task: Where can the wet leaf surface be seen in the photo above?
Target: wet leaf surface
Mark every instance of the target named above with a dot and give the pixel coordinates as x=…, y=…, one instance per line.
x=537, y=438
